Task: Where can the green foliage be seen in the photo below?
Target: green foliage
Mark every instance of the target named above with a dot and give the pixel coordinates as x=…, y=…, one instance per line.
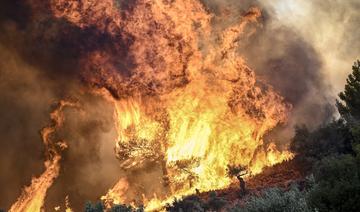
x=349, y=104
x=195, y=203
x=337, y=185
x=355, y=132
x=334, y=138
x=349, y=108
x=98, y=207
x=190, y=203
x=125, y=208
x=275, y=200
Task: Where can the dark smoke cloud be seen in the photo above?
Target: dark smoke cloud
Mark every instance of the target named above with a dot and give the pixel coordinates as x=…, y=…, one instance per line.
x=293, y=67
x=288, y=59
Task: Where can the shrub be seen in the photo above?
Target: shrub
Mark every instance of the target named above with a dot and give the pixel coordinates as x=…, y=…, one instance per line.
x=98, y=207
x=190, y=203
x=332, y=139
x=337, y=185
x=215, y=203
x=275, y=200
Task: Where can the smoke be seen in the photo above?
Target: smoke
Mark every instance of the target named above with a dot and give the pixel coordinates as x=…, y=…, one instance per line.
x=88, y=167
x=330, y=27
x=23, y=110
x=303, y=49
x=39, y=65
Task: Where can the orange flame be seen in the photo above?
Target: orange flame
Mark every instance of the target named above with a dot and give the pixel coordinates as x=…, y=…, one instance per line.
x=33, y=196
x=188, y=100
x=216, y=113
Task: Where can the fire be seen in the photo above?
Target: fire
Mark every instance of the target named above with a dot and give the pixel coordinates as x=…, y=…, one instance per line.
x=183, y=97
x=33, y=196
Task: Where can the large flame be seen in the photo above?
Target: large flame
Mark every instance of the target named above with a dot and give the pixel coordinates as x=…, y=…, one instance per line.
x=33, y=196
x=182, y=95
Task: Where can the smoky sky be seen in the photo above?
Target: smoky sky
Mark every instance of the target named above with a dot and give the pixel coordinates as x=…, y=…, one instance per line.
x=40, y=63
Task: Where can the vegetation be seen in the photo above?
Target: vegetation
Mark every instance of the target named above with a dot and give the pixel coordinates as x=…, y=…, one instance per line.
x=195, y=203
x=334, y=151
x=275, y=200
x=337, y=185
x=349, y=108
x=332, y=139
x=99, y=207
x=190, y=203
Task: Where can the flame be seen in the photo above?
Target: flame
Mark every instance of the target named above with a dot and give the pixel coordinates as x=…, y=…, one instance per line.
x=188, y=100
x=32, y=197
x=182, y=96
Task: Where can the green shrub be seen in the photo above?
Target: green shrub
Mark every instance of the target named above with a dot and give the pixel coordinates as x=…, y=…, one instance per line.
x=98, y=207
x=190, y=203
x=332, y=139
x=337, y=185
x=275, y=200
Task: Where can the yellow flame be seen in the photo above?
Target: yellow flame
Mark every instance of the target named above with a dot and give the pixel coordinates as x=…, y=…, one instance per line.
x=190, y=100
x=32, y=197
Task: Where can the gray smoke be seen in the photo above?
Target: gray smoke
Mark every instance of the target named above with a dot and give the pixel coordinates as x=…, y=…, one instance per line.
x=303, y=49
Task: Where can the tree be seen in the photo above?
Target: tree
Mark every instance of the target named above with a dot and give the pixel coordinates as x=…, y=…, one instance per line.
x=334, y=138
x=337, y=185
x=238, y=172
x=349, y=108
